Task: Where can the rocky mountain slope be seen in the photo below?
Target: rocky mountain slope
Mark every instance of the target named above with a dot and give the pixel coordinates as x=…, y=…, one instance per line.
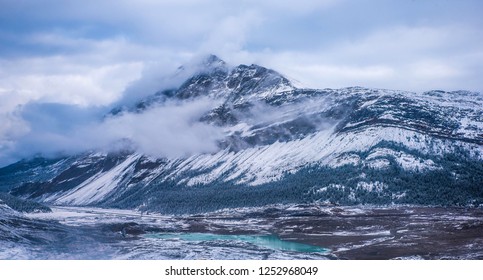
x=281, y=144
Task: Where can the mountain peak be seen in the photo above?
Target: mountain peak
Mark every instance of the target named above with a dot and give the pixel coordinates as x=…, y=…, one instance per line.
x=216, y=79
x=213, y=60
x=211, y=63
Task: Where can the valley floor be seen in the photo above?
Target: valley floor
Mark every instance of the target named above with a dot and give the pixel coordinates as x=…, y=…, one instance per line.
x=272, y=232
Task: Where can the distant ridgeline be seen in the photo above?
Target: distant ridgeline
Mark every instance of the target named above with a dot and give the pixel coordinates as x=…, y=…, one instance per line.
x=281, y=144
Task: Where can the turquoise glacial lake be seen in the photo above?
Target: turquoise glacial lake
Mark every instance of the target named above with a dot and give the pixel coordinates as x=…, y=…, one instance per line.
x=267, y=241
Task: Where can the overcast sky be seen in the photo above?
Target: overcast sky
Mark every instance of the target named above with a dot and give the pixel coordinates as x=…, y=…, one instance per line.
x=87, y=52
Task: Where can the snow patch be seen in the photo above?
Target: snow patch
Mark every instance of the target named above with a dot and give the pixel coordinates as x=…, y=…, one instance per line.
x=372, y=186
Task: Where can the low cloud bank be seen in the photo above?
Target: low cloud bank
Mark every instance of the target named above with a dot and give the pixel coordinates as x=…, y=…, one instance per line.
x=171, y=129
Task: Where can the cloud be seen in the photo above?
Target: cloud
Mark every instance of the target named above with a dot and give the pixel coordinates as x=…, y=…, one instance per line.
x=83, y=87
x=415, y=59
x=229, y=36
x=169, y=130
x=12, y=127
x=45, y=128
x=172, y=130
x=94, y=75
x=99, y=48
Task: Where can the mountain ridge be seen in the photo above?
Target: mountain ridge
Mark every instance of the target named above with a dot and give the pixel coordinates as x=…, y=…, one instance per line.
x=284, y=141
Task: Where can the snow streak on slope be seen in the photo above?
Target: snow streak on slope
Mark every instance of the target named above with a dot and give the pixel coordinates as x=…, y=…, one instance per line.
x=4, y=209
x=97, y=187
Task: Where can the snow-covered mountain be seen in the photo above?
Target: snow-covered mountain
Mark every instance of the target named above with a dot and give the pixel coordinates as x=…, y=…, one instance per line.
x=281, y=144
